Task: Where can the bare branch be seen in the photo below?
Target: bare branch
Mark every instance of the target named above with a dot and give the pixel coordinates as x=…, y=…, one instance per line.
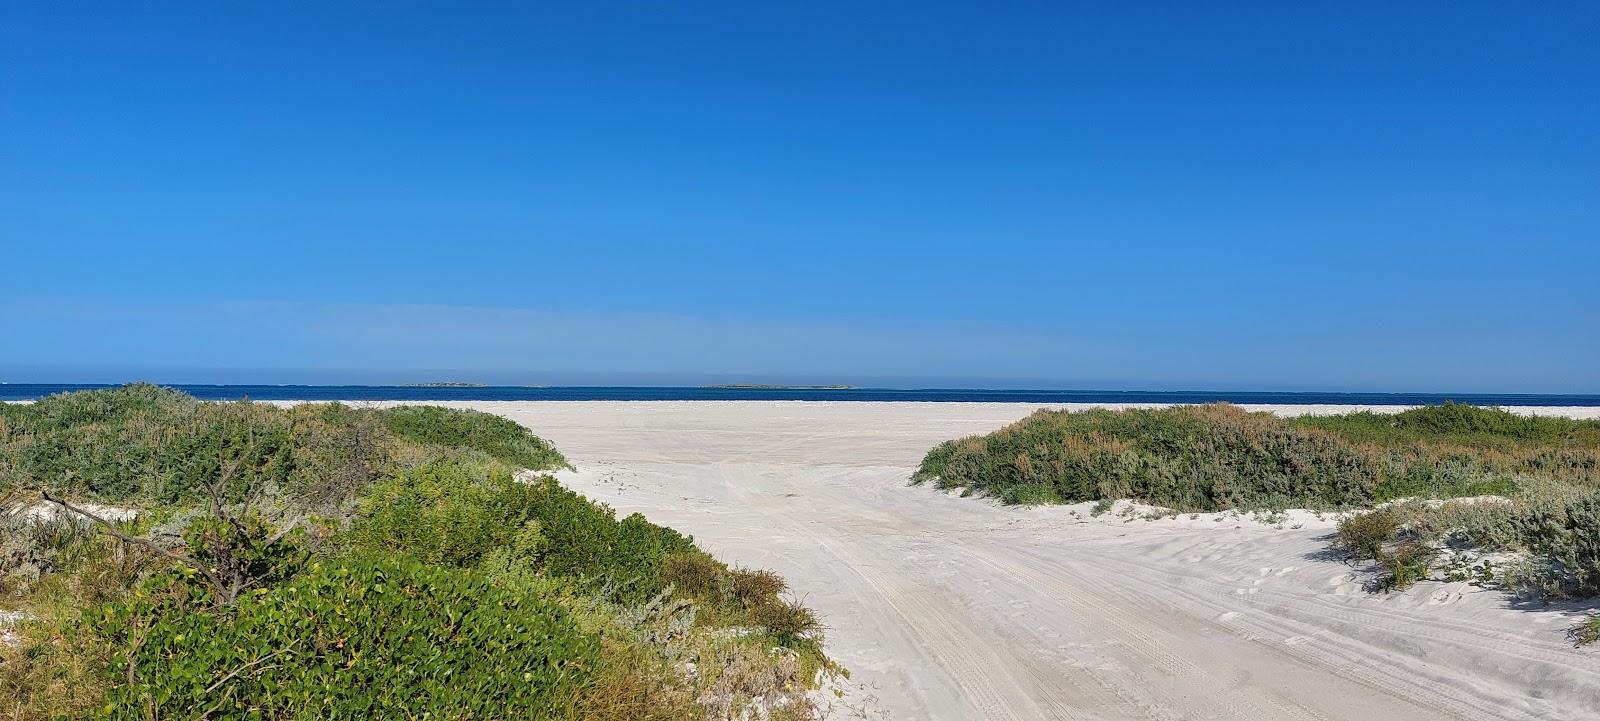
x=111, y=529
x=280, y=535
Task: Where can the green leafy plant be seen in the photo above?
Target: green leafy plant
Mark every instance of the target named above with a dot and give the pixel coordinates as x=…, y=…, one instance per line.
x=499, y=438
x=356, y=639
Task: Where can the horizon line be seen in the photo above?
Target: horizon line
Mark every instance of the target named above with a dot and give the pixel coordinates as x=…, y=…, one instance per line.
x=787, y=387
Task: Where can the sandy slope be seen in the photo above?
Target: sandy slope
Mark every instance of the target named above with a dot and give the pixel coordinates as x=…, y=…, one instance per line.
x=951, y=608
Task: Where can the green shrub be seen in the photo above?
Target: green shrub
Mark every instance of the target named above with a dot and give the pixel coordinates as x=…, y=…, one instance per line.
x=1213, y=457
x=458, y=511
x=145, y=444
x=1459, y=424
x=451, y=511
x=1187, y=458
x=360, y=639
x=500, y=438
x=1408, y=563
x=1363, y=535
x=585, y=540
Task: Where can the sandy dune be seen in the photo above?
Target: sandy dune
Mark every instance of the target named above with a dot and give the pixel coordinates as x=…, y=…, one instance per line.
x=951, y=608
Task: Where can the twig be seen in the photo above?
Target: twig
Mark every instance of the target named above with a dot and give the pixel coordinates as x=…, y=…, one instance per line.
x=134, y=650
x=111, y=528
x=247, y=666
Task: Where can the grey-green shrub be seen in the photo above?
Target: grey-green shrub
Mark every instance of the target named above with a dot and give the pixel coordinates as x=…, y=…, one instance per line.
x=1566, y=544
x=148, y=444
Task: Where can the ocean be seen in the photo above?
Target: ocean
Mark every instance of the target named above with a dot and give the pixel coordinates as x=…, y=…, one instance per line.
x=33, y=391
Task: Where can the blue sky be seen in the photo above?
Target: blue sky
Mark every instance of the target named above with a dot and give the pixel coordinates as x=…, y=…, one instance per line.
x=1371, y=196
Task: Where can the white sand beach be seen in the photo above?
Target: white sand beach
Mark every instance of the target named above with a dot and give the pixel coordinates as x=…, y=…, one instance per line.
x=958, y=608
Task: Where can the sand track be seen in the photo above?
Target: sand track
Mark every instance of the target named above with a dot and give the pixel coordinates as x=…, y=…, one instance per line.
x=951, y=608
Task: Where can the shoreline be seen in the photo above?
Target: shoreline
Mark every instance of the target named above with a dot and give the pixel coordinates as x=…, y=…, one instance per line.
x=438, y=393
x=1281, y=409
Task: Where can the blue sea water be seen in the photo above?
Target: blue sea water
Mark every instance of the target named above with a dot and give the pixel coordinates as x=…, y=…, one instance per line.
x=32, y=391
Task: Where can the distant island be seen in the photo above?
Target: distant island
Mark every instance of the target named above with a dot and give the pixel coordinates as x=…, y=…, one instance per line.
x=445, y=384
x=776, y=387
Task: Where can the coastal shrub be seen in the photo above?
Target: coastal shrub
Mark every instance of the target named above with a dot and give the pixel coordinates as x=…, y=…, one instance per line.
x=586, y=540
x=1565, y=542
x=500, y=438
x=739, y=596
x=145, y=444
x=421, y=530
x=1363, y=536
x=1489, y=524
x=1198, y=458
x=1559, y=540
x=450, y=511
x=1459, y=424
x=1218, y=456
x=1405, y=565
x=457, y=511
x=148, y=444
x=357, y=639
x=1585, y=632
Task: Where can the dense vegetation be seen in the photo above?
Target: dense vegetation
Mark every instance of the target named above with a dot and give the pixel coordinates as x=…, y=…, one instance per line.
x=1212, y=457
x=321, y=561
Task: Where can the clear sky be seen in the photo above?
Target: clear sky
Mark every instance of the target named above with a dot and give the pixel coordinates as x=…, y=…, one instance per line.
x=1322, y=196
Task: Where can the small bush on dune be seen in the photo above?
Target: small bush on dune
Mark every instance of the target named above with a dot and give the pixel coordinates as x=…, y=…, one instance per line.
x=739, y=597
x=787, y=620
x=1363, y=536
x=1586, y=632
x=1560, y=540
x=1405, y=565
x=1566, y=545
x=500, y=438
